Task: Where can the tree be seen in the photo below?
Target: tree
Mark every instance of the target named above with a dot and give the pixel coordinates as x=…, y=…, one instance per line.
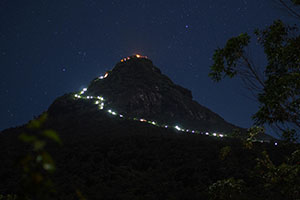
x=277, y=85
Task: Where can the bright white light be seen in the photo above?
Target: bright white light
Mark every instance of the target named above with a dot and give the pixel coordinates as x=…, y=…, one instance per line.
x=101, y=77
x=100, y=98
x=276, y=143
x=106, y=75
x=101, y=106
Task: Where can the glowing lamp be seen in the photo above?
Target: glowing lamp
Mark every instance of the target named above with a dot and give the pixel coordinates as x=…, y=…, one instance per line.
x=221, y=135
x=206, y=133
x=153, y=123
x=276, y=143
x=143, y=120
x=97, y=102
x=121, y=116
x=166, y=126
x=84, y=89
x=214, y=134
x=137, y=55
x=101, y=77
x=178, y=128
x=106, y=75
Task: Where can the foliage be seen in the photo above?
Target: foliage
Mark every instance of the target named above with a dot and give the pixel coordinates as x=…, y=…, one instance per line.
x=297, y=2
x=225, y=152
x=278, y=92
x=37, y=164
x=252, y=135
x=8, y=197
x=227, y=189
x=278, y=89
x=282, y=181
x=228, y=56
x=105, y=158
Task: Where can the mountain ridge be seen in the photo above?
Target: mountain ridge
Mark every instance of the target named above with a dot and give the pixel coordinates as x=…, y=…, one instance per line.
x=137, y=89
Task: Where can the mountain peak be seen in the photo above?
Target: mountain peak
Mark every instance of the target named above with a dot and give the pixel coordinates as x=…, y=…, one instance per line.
x=137, y=89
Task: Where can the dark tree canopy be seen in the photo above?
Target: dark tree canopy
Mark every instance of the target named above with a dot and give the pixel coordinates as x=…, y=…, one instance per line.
x=277, y=88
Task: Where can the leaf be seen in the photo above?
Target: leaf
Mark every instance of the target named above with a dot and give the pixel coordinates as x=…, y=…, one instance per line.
x=48, y=163
x=27, y=138
x=52, y=135
x=37, y=123
x=39, y=145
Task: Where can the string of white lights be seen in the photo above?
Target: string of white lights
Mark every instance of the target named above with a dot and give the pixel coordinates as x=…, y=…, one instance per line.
x=100, y=101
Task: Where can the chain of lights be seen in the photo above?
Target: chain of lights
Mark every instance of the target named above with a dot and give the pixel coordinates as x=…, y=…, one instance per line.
x=135, y=56
x=100, y=101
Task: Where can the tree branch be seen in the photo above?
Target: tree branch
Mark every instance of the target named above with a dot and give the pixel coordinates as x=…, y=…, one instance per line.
x=289, y=9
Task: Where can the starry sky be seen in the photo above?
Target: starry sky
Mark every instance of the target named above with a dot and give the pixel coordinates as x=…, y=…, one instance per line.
x=49, y=48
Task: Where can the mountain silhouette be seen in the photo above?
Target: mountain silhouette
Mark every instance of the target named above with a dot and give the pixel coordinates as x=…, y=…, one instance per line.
x=136, y=89
x=131, y=134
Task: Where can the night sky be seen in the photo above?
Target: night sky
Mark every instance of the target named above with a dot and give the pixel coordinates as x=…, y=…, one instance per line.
x=49, y=48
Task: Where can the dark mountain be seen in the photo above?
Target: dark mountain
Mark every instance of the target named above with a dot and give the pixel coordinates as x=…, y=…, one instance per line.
x=115, y=144
x=136, y=88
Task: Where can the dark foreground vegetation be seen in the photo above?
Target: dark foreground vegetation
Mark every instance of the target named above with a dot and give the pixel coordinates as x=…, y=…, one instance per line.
x=109, y=158
x=73, y=154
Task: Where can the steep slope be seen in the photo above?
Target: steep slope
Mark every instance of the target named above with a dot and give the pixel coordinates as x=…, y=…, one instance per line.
x=136, y=88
